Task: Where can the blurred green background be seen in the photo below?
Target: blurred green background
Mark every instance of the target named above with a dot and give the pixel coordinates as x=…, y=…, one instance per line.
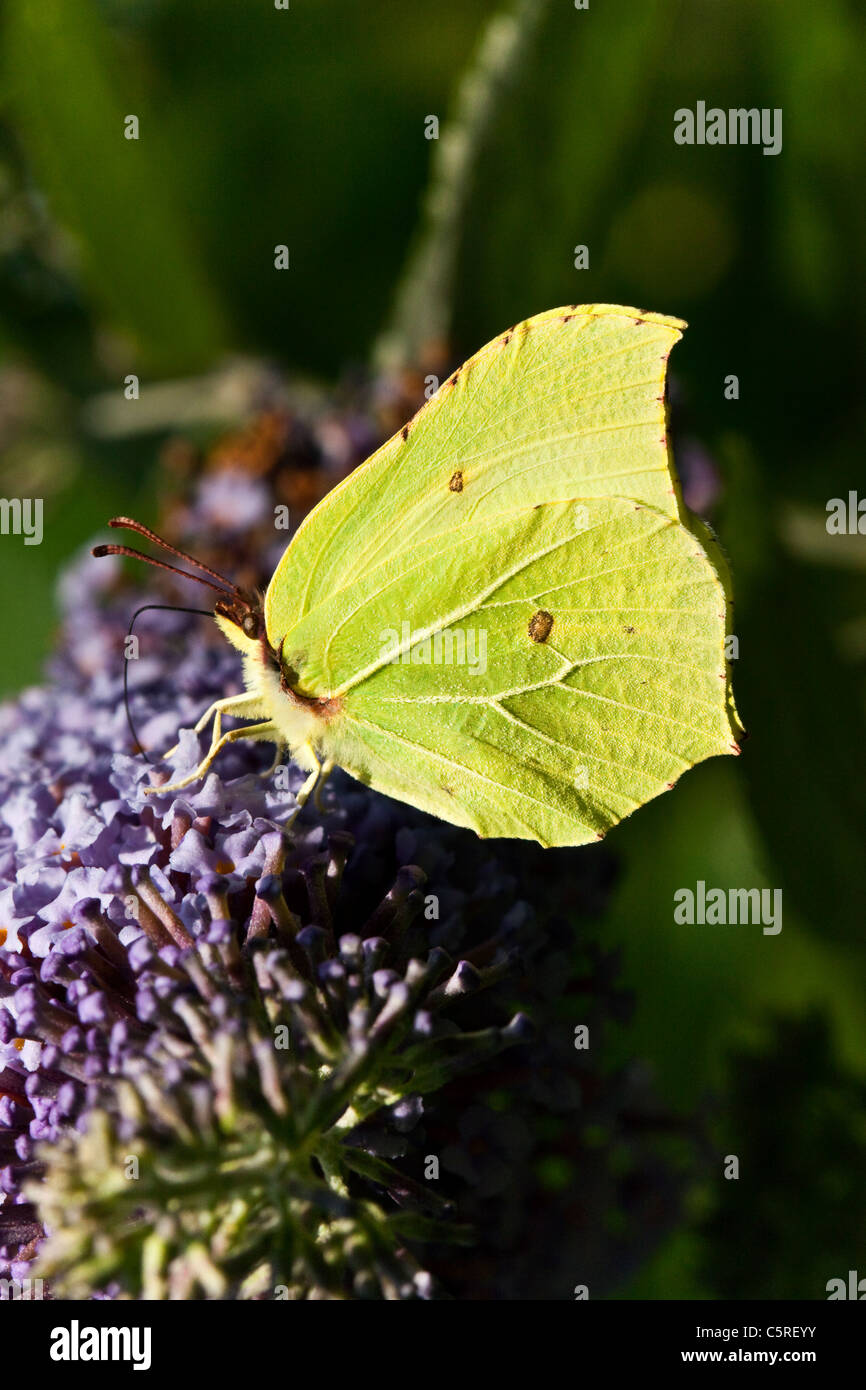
x=305, y=127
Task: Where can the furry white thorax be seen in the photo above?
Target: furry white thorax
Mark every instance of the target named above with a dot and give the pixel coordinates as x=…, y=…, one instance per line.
x=296, y=722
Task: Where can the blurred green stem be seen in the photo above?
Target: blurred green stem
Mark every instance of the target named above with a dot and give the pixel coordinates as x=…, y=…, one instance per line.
x=424, y=304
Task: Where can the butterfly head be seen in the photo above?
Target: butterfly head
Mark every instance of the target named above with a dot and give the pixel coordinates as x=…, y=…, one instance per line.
x=239, y=614
x=241, y=619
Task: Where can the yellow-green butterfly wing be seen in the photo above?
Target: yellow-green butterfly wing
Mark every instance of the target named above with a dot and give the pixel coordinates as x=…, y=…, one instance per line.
x=569, y=403
x=511, y=625
x=539, y=678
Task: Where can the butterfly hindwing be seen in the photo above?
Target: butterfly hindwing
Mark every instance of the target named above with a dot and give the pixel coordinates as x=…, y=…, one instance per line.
x=538, y=677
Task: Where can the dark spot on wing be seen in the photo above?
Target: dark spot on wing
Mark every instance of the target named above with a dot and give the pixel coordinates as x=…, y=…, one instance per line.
x=455, y=482
x=404, y=433
x=629, y=629
x=540, y=625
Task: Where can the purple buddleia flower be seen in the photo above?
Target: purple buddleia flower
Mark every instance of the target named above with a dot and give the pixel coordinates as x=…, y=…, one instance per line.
x=233, y=1042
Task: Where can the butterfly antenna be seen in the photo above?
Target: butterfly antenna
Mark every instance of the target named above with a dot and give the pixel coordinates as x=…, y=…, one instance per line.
x=138, y=746
x=126, y=523
x=216, y=581
x=100, y=550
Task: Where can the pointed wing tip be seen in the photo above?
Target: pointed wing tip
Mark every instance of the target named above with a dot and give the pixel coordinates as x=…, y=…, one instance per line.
x=624, y=311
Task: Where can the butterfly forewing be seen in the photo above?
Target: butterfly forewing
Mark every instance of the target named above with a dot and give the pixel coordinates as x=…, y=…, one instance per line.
x=505, y=615
x=569, y=403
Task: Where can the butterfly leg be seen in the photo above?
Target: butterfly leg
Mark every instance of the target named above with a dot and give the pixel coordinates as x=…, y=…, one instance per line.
x=307, y=758
x=278, y=753
x=327, y=769
x=265, y=730
x=233, y=704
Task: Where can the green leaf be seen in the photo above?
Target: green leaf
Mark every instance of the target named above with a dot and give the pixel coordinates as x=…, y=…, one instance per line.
x=71, y=90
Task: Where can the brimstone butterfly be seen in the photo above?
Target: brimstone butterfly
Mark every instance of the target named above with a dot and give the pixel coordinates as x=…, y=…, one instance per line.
x=504, y=617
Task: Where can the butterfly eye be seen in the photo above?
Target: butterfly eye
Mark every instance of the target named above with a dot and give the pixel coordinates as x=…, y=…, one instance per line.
x=250, y=625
